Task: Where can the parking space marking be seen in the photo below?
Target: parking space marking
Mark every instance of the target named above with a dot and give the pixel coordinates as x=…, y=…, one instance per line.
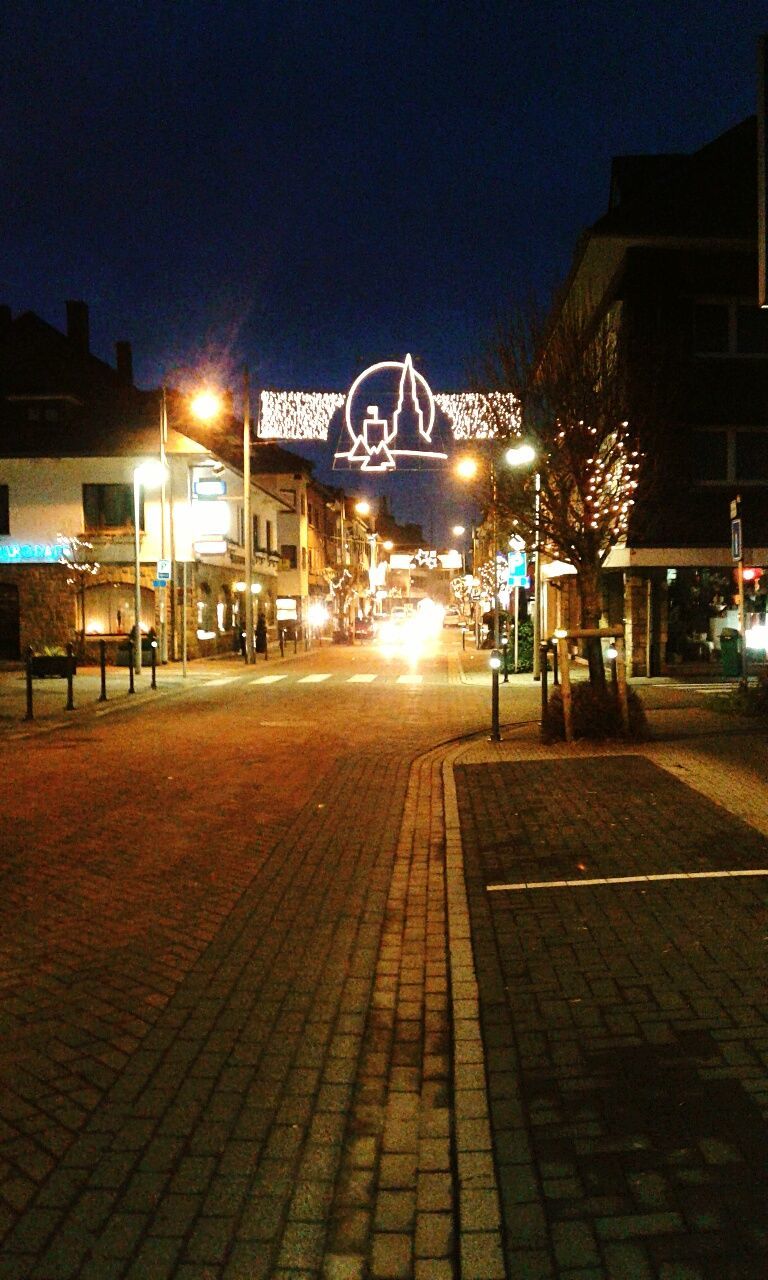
x=669, y=875
x=361, y=679
x=316, y=678
x=269, y=679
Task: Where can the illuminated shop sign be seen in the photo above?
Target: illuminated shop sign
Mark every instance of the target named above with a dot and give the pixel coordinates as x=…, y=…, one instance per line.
x=30, y=553
x=210, y=488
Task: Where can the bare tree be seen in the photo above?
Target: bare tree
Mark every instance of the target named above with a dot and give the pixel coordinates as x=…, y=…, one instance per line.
x=577, y=410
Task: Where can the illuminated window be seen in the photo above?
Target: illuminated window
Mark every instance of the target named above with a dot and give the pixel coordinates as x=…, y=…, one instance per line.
x=288, y=555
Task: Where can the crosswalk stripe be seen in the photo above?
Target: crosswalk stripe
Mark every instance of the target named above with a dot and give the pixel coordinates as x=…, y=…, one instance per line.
x=315, y=679
x=361, y=679
x=410, y=679
x=268, y=679
x=210, y=684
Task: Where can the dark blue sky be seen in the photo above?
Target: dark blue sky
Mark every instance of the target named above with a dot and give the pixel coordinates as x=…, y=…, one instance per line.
x=312, y=186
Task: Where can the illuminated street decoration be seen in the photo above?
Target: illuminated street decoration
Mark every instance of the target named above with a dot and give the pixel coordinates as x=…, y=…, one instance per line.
x=476, y=415
x=297, y=415
x=379, y=442
x=375, y=441
x=424, y=559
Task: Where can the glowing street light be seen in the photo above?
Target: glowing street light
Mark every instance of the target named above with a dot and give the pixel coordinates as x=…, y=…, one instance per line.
x=148, y=475
x=466, y=468
x=206, y=405
x=520, y=456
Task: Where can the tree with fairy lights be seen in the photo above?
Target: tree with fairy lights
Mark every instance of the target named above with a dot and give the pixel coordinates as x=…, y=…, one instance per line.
x=80, y=567
x=584, y=413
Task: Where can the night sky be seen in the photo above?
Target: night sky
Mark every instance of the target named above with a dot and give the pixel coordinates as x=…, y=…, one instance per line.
x=310, y=187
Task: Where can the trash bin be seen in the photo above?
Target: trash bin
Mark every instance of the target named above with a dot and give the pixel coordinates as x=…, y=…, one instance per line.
x=729, y=652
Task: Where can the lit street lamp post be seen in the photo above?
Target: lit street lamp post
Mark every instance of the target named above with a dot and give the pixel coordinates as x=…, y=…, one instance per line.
x=146, y=475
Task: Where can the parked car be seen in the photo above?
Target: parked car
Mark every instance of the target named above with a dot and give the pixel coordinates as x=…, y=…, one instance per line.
x=365, y=628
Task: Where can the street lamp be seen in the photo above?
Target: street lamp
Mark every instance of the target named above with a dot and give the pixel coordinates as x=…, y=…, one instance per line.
x=467, y=469
x=205, y=406
x=147, y=475
x=458, y=531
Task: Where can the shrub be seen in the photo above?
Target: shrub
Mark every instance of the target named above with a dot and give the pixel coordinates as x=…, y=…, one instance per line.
x=752, y=701
x=524, y=647
x=596, y=713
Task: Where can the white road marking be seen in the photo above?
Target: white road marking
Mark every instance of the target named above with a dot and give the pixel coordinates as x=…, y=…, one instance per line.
x=315, y=679
x=410, y=679
x=670, y=875
x=268, y=679
x=361, y=679
x=210, y=684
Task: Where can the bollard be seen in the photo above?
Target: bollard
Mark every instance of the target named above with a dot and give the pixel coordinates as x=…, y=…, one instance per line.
x=153, y=684
x=281, y=636
x=131, y=664
x=30, y=712
x=463, y=638
x=544, y=668
x=103, y=666
x=70, y=678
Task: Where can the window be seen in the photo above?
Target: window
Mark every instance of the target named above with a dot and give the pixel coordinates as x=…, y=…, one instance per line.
x=303, y=505
x=729, y=327
x=288, y=554
x=255, y=533
x=731, y=455
x=711, y=456
x=711, y=328
x=269, y=541
x=110, y=506
x=752, y=455
x=5, y=512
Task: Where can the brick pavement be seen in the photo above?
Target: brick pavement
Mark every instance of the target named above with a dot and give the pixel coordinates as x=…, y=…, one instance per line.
x=624, y=1026
x=281, y=1069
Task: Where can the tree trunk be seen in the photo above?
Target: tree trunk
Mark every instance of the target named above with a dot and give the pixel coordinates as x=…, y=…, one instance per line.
x=591, y=609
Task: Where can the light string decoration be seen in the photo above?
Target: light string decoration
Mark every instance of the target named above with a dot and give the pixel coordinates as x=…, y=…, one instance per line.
x=306, y=415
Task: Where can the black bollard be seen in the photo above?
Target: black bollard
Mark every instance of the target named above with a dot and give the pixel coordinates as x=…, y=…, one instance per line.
x=153, y=649
x=70, y=678
x=30, y=712
x=103, y=666
x=281, y=635
x=544, y=701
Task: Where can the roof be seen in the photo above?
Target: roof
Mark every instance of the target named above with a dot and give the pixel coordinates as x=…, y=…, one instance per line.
x=711, y=193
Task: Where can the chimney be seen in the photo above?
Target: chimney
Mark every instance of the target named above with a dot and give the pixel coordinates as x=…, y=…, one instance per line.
x=77, y=326
x=124, y=363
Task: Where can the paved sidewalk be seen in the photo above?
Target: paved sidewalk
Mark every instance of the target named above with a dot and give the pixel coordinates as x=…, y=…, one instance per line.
x=624, y=1024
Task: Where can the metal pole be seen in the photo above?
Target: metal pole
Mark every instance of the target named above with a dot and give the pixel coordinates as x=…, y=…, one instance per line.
x=543, y=667
x=131, y=686
x=495, y=731
x=517, y=623
x=163, y=515
x=70, y=678
x=137, y=570
x=103, y=667
x=184, y=571
x=153, y=652
x=537, y=581
x=742, y=614
x=30, y=711
x=247, y=522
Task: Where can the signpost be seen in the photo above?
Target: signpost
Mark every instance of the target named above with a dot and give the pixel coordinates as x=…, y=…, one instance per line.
x=517, y=577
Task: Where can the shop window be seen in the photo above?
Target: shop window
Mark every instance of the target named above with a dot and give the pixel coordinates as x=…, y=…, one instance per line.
x=109, y=506
x=5, y=511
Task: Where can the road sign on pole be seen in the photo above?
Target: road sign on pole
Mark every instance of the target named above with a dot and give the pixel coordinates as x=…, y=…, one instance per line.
x=736, y=540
